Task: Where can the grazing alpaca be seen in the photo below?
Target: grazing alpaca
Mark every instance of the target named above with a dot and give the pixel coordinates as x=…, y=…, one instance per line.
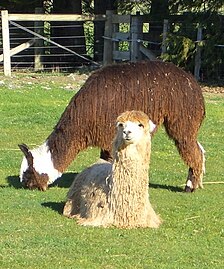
x=37, y=180
x=166, y=93
x=116, y=194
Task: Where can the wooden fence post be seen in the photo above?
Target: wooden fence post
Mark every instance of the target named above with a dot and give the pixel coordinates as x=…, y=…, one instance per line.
x=108, y=44
x=165, y=31
x=136, y=31
x=6, y=43
x=39, y=43
x=197, y=60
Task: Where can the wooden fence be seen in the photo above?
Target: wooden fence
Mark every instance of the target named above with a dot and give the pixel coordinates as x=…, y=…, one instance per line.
x=137, y=41
x=6, y=18
x=135, y=37
x=113, y=36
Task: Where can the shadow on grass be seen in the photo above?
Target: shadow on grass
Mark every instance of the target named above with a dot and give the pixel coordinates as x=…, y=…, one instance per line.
x=65, y=180
x=14, y=181
x=166, y=187
x=55, y=206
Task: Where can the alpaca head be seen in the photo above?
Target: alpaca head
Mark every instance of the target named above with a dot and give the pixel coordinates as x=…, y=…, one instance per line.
x=132, y=126
x=31, y=178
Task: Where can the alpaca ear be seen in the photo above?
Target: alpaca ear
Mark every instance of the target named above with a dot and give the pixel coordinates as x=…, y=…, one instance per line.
x=152, y=126
x=25, y=149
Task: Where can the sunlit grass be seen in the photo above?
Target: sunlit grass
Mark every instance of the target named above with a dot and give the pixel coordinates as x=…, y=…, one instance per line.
x=34, y=234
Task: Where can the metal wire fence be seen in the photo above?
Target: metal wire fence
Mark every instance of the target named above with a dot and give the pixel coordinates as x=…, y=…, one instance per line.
x=49, y=50
x=65, y=45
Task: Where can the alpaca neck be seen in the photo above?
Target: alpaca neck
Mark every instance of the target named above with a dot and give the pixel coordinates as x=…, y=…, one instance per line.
x=63, y=149
x=128, y=197
x=69, y=136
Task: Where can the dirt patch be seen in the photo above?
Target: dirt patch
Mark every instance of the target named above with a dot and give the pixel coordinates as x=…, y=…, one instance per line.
x=213, y=89
x=72, y=81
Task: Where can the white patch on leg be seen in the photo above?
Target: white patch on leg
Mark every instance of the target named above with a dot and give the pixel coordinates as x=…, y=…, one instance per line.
x=203, y=156
x=42, y=162
x=201, y=147
x=200, y=184
x=189, y=184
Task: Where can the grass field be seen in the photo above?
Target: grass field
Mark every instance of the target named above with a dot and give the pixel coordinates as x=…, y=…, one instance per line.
x=33, y=232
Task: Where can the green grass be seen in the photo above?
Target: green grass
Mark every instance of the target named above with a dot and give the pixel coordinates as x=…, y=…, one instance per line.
x=34, y=234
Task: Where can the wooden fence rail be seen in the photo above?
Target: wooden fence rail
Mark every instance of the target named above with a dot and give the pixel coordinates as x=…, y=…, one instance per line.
x=135, y=38
x=6, y=18
x=112, y=36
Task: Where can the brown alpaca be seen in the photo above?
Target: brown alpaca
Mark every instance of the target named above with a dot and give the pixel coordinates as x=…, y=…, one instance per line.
x=116, y=194
x=166, y=93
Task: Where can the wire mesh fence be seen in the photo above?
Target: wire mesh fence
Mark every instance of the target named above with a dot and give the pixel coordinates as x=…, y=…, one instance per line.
x=52, y=45
x=46, y=53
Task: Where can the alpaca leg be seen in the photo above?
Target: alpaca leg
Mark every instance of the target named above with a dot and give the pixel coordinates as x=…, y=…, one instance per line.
x=185, y=136
x=193, y=154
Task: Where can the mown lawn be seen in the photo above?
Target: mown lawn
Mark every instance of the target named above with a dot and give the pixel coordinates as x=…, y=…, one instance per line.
x=33, y=232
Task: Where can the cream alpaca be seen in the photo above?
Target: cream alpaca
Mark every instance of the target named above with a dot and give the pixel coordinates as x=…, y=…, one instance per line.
x=116, y=194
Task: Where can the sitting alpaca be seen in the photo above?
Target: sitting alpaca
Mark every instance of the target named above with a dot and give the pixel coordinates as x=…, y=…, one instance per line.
x=116, y=194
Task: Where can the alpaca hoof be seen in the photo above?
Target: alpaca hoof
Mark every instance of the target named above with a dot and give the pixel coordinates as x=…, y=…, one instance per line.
x=200, y=185
x=43, y=187
x=188, y=189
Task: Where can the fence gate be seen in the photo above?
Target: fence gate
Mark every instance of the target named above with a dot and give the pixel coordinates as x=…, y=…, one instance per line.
x=36, y=37
x=120, y=44
x=126, y=45
x=124, y=38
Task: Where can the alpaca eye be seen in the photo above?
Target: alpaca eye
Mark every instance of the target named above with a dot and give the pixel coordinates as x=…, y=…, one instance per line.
x=120, y=124
x=141, y=125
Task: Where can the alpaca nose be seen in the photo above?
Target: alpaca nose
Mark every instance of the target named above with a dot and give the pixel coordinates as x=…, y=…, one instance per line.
x=126, y=132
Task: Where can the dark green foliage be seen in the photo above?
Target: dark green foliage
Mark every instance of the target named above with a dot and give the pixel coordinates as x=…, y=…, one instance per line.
x=180, y=51
x=213, y=54
x=181, y=44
